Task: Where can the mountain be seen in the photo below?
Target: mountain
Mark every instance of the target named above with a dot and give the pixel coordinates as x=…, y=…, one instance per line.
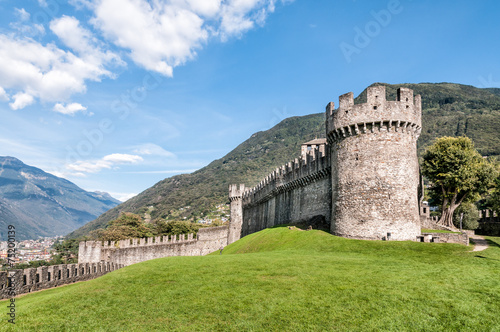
x=448, y=110
x=41, y=204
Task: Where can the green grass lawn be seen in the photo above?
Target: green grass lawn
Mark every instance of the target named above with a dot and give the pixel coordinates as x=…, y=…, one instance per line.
x=284, y=280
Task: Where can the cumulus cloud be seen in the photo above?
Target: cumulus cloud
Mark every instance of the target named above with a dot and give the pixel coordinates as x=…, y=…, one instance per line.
x=157, y=34
x=153, y=149
x=21, y=100
x=107, y=162
x=70, y=109
x=163, y=34
x=82, y=42
x=47, y=72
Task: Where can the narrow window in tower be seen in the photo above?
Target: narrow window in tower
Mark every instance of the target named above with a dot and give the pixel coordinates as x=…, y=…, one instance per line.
x=374, y=107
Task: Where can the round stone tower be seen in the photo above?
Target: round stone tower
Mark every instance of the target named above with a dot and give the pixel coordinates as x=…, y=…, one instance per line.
x=375, y=172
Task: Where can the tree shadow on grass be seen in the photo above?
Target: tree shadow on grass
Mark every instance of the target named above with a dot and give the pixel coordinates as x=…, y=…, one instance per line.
x=492, y=243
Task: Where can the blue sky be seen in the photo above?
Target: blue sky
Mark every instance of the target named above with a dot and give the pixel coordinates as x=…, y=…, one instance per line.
x=116, y=95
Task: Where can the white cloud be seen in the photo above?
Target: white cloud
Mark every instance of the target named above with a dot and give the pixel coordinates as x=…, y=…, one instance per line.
x=122, y=196
x=153, y=149
x=49, y=73
x=159, y=35
x=3, y=95
x=23, y=14
x=70, y=109
x=122, y=158
x=81, y=41
x=107, y=162
x=24, y=27
x=163, y=34
x=21, y=100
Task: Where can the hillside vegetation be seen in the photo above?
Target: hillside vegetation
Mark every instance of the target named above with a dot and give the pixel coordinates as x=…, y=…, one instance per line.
x=284, y=280
x=448, y=110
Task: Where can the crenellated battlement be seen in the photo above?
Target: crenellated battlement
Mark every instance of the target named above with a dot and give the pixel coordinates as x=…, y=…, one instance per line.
x=313, y=165
x=131, y=251
x=142, y=242
x=236, y=192
x=362, y=180
x=16, y=282
x=376, y=114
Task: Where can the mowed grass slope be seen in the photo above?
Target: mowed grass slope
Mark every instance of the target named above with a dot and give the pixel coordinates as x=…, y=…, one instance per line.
x=284, y=280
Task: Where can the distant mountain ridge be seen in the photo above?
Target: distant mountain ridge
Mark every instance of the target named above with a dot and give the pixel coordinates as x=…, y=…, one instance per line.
x=448, y=109
x=41, y=204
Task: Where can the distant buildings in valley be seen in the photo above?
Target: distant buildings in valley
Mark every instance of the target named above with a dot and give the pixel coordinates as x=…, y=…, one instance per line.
x=31, y=250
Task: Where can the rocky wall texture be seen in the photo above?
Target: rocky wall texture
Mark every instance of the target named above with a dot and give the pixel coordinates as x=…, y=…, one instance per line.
x=374, y=166
x=131, y=251
x=16, y=282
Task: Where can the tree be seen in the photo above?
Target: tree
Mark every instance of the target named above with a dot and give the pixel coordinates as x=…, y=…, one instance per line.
x=175, y=227
x=65, y=252
x=457, y=173
x=470, y=216
x=127, y=226
x=494, y=200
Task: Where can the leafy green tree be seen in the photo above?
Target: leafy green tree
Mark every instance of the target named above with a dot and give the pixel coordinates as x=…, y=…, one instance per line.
x=127, y=226
x=457, y=173
x=65, y=252
x=175, y=227
x=470, y=216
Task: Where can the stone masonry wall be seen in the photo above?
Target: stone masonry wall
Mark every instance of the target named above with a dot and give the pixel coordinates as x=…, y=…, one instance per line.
x=295, y=192
x=375, y=174
x=131, y=251
x=16, y=282
x=460, y=238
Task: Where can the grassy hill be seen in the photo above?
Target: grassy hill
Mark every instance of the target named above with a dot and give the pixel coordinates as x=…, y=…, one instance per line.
x=448, y=109
x=284, y=280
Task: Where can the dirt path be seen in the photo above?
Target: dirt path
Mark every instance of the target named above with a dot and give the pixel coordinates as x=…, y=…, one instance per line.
x=480, y=243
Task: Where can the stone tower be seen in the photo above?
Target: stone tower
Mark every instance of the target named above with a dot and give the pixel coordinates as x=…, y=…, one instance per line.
x=374, y=166
x=235, y=197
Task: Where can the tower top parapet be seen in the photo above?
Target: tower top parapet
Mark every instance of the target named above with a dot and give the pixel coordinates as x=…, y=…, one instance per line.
x=236, y=192
x=406, y=108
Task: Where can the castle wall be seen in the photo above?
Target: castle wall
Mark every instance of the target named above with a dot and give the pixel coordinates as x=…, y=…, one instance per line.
x=131, y=251
x=235, y=197
x=296, y=192
x=461, y=238
x=364, y=182
x=16, y=282
x=375, y=173
x=375, y=188
x=489, y=223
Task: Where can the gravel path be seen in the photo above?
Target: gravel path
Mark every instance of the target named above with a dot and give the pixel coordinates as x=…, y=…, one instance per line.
x=480, y=243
